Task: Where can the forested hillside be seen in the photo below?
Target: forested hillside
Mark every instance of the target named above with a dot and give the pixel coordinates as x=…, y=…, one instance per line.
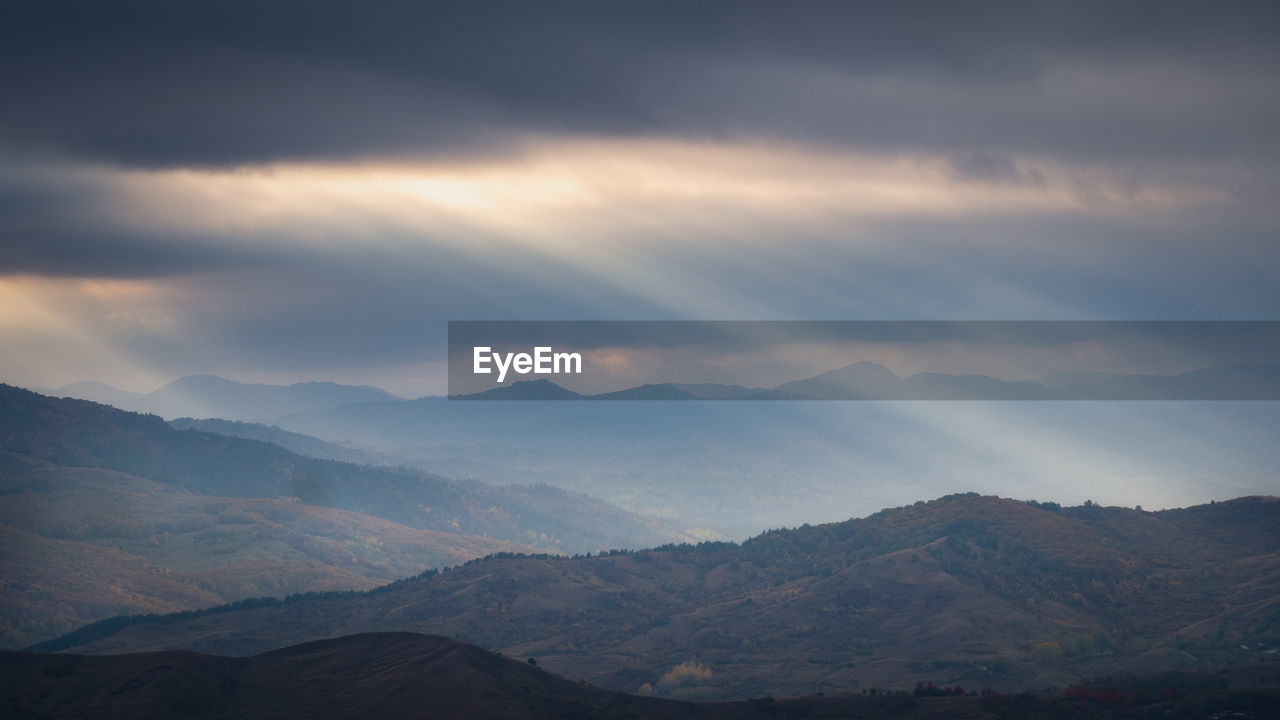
x=966, y=590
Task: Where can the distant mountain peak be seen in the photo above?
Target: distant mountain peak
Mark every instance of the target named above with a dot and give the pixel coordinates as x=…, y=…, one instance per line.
x=864, y=368
x=541, y=389
x=206, y=395
x=861, y=380
x=89, y=384
x=648, y=391
x=867, y=364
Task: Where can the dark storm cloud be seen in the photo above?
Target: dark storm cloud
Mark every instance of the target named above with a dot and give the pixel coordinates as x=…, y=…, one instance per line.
x=105, y=253
x=992, y=167
x=162, y=83
x=1019, y=107
x=50, y=230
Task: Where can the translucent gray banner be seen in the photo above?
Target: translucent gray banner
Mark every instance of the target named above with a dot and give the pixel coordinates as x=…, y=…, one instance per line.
x=856, y=360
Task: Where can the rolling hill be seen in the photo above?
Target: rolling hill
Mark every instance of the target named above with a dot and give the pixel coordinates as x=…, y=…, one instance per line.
x=967, y=589
x=82, y=544
x=402, y=675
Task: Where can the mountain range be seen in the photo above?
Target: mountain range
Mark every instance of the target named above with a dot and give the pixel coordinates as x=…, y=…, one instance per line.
x=730, y=469
x=967, y=589
x=116, y=513
x=867, y=380
x=104, y=512
x=83, y=434
x=211, y=396
x=736, y=468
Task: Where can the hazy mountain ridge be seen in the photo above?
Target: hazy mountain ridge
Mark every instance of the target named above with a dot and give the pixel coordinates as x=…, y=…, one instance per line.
x=107, y=512
x=732, y=468
x=965, y=589
x=403, y=675
x=739, y=467
x=291, y=441
x=868, y=380
x=80, y=433
x=212, y=396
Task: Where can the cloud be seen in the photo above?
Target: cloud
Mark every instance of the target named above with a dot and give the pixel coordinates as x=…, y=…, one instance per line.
x=992, y=168
x=320, y=189
x=163, y=84
x=325, y=268
x=616, y=209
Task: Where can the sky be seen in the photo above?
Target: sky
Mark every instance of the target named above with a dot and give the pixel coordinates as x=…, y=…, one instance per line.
x=277, y=192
